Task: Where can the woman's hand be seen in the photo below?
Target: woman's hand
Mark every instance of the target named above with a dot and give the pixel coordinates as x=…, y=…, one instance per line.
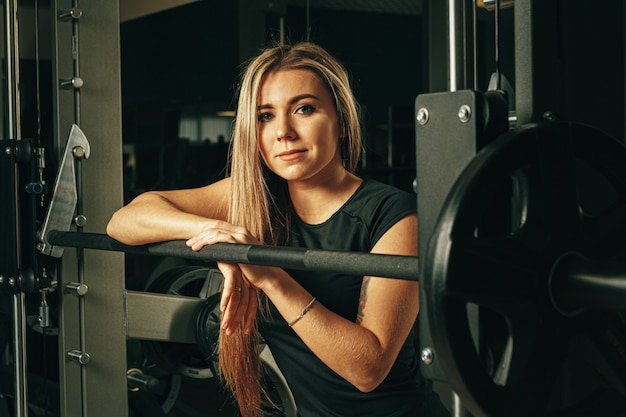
x=218, y=231
x=239, y=299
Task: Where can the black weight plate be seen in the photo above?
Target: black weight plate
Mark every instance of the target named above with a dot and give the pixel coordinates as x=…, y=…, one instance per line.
x=529, y=197
x=208, y=331
x=181, y=358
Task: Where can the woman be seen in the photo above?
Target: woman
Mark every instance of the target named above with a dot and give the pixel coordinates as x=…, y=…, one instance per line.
x=344, y=343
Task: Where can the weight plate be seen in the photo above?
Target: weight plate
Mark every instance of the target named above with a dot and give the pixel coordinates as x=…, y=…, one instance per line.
x=529, y=197
x=208, y=331
x=201, y=362
x=181, y=358
x=159, y=396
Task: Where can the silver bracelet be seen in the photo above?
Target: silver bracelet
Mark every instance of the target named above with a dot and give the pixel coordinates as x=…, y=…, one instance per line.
x=302, y=313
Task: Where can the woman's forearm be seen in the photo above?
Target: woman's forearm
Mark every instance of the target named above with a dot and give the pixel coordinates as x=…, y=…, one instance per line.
x=156, y=216
x=361, y=355
x=152, y=218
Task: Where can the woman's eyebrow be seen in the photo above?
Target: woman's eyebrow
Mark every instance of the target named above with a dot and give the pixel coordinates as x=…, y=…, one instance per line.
x=294, y=99
x=303, y=96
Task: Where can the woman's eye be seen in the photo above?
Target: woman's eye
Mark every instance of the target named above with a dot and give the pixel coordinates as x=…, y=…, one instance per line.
x=264, y=117
x=305, y=109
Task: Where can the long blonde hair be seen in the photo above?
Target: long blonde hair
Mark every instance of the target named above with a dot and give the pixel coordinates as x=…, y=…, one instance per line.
x=266, y=214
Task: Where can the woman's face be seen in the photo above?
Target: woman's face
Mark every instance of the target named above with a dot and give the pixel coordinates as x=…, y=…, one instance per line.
x=298, y=127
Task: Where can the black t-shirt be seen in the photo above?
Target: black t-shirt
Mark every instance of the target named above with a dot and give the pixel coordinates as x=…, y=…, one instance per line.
x=318, y=390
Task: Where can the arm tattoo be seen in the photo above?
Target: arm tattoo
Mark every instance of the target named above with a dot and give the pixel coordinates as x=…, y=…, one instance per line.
x=362, y=299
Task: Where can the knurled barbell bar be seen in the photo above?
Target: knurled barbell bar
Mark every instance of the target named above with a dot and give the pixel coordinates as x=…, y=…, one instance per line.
x=354, y=263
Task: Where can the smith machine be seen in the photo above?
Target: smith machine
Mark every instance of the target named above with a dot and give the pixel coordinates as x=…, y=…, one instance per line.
x=521, y=231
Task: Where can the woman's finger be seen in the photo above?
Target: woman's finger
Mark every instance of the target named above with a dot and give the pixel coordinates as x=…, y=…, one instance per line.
x=232, y=290
x=220, y=232
x=237, y=315
x=232, y=283
x=250, y=315
x=209, y=238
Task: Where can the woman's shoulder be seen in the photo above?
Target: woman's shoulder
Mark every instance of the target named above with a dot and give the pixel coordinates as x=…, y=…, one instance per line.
x=378, y=206
x=375, y=193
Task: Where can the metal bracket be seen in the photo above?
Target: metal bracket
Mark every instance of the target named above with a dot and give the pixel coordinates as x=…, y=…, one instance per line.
x=64, y=198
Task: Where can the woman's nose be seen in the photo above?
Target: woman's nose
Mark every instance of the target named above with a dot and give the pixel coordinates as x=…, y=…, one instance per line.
x=284, y=129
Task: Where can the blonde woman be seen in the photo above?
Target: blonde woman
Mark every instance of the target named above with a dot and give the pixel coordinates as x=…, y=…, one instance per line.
x=344, y=343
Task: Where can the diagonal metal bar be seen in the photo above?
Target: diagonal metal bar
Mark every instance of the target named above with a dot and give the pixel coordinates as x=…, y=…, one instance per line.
x=352, y=263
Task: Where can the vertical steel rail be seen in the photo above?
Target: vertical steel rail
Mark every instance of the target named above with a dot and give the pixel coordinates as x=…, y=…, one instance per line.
x=93, y=323
x=454, y=46
x=524, y=61
x=461, y=16
x=13, y=69
x=72, y=16
x=80, y=253
x=14, y=132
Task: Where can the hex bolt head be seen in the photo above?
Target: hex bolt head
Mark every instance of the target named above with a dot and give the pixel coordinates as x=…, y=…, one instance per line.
x=422, y=116
x=548, y=116
x=80, y=220
x=465, y=113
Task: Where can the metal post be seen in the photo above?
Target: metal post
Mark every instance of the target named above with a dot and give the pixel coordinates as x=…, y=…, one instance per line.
x=14, y=132
x=461, y=40
x=13, y=69
x=461, y=75
x=19, y=348
x=92, y=324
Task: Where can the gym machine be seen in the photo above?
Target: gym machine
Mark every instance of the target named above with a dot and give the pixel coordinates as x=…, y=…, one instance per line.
x=521, y=263
x=521, y=219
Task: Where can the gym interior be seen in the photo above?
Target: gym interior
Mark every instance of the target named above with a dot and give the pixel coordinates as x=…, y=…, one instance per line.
x=469, y=104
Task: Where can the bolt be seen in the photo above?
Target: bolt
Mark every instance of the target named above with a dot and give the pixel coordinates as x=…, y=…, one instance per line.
x=78, y=356
x=465, y=113
x=422, y=116
x=74, y=82
x=426, y=356
x=8, y=150
x=78, y=151
x=67, y=15
x=77, y=288
x=80, y=220
x=548, y=116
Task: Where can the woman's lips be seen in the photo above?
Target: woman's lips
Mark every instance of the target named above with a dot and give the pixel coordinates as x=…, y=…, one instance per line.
x=291, y=155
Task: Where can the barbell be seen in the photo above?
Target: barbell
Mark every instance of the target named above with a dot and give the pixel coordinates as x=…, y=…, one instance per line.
x=529, y=240
x=354, y=263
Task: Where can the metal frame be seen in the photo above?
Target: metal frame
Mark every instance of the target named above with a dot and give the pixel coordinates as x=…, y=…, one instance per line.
x=87, y=48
